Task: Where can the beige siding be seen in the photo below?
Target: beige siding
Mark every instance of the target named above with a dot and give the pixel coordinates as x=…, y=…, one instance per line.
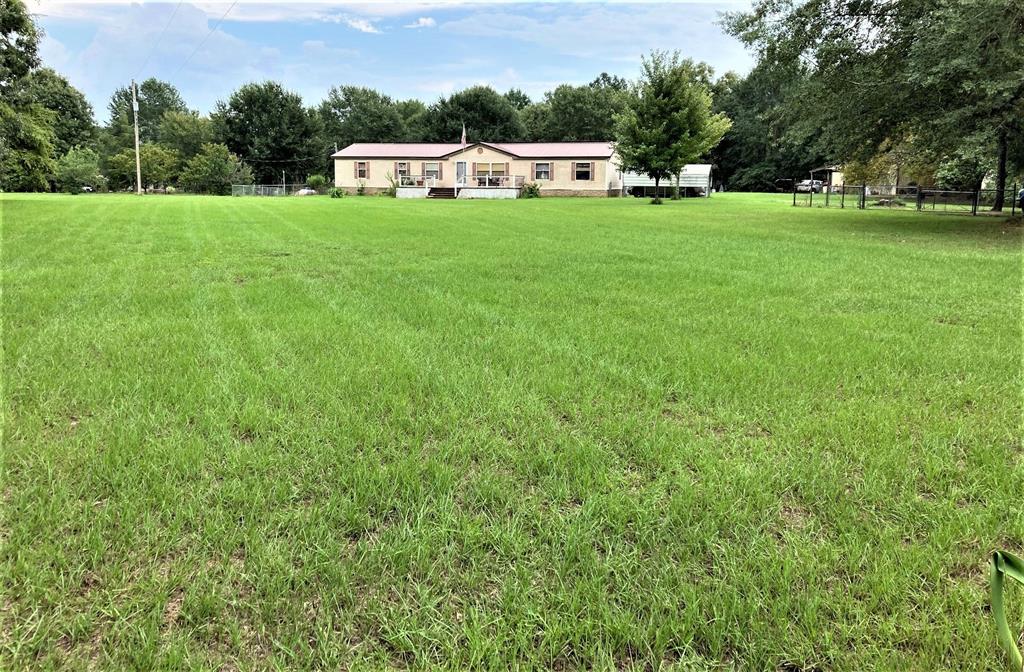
x=605, y=175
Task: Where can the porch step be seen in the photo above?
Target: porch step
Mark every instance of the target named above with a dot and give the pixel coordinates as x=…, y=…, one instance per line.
x=441, y=192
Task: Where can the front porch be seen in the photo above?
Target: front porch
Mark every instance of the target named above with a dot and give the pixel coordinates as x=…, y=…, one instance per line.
x=481, y=185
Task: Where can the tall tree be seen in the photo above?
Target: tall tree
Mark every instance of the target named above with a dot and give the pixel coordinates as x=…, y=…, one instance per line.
x=955, y=67
x=213, y=170
x=185, y=132
x=26, y=127
x=766, y=142
x=487, y=115
x=80, y=167
x=583, y=113
x=535, y=119
x=358, y=114
x=156, y=98
x=73, y=123
x=159, y=166
x=19, y=45
x=517, y=98
x=269, y=129
x=414, y=118
x=669, y=121
x=604, y=80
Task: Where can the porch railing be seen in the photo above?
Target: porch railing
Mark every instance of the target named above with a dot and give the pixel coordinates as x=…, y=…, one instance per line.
x=417, y=181
x=491, y=181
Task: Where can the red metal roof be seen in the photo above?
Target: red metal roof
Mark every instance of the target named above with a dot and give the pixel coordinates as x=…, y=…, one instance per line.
x=438, y=150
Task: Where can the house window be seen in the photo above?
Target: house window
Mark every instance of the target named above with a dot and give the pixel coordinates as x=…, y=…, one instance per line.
x=489, y=169
x=402, y=168
x=431, y=169
x=361, y=170
x=584, y=170
x=542, y=171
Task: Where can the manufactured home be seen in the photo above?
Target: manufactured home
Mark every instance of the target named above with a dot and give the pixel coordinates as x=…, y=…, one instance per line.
x=479, y=169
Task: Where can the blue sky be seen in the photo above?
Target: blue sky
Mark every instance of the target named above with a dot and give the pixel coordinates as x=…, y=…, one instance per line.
x=407, y=50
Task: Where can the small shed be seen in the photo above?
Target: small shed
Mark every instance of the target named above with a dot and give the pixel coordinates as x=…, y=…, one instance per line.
x=694, y=180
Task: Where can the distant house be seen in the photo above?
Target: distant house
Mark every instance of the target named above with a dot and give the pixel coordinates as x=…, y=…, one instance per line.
x=479, y=169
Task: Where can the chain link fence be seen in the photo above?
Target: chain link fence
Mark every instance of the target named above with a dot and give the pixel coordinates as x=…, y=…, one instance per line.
x=891, y=196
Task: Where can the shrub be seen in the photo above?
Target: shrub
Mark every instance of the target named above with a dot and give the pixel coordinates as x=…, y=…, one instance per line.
x=335, y=192
x=531, y=190
x=213, y=170
x=317, y=182
x=361, y=189
x=80, y=167
x=170, y=190
x=392, y=189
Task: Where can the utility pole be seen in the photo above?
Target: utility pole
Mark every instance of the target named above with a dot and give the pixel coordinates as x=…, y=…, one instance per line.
x=284, y=184
x=138, y=162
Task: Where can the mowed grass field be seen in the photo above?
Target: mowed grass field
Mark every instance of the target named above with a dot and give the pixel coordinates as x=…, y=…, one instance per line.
x=553, y=434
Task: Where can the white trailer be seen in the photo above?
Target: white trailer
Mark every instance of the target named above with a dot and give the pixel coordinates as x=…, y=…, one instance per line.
x=695, y=178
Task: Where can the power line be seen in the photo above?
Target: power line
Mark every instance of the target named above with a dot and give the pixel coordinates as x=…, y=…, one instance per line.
x=205, y=37
x=157, y=42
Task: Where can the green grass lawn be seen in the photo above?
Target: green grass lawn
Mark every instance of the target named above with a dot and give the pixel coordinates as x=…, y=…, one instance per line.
x=571, y=434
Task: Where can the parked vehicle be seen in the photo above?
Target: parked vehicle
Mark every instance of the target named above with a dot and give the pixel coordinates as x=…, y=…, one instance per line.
x=306, y=192
x=810, y=186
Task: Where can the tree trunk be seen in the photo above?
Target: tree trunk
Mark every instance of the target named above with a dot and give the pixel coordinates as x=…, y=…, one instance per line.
x=657, y=193
x=997, y=206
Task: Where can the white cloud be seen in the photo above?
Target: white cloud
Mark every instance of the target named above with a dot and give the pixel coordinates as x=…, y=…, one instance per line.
x=422, y=22
x=362, y=25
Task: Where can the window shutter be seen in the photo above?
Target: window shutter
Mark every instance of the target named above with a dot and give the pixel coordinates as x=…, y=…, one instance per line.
x=423, y=168
x=593, y=170
x=506, y=170
x=355, y=169
x=573, y=176
x=367, y=170
x=440, y=170
x=533, y=171
x=474, y=168
x=395, y=175
x=551, y=170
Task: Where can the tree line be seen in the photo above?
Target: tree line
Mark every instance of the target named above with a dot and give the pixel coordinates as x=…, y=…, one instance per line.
x=881, y=88
x=931, y=89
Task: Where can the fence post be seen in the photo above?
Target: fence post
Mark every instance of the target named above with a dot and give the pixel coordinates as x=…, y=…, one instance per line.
x=863, y=195
x=1013, y=201
x=842, y=197
x=827, y=189
x=974, y=206
x=810, y=196
x=794, y=193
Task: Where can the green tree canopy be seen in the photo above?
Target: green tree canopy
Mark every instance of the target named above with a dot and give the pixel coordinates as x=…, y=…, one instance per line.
x=184, y=132
x=73, y=123
x=269, y=129
x=156, y=98
x=414, y=116
x=213, y=170
x=80, y=167
x=517, y=99
x=669, y=121
x=766, y=141
x=19, y=45
x=582, y=113
x=26, y=148
x=947, y=72
x=26, y=127
x=358, y=114
x=487, y=115
x=159, y=166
